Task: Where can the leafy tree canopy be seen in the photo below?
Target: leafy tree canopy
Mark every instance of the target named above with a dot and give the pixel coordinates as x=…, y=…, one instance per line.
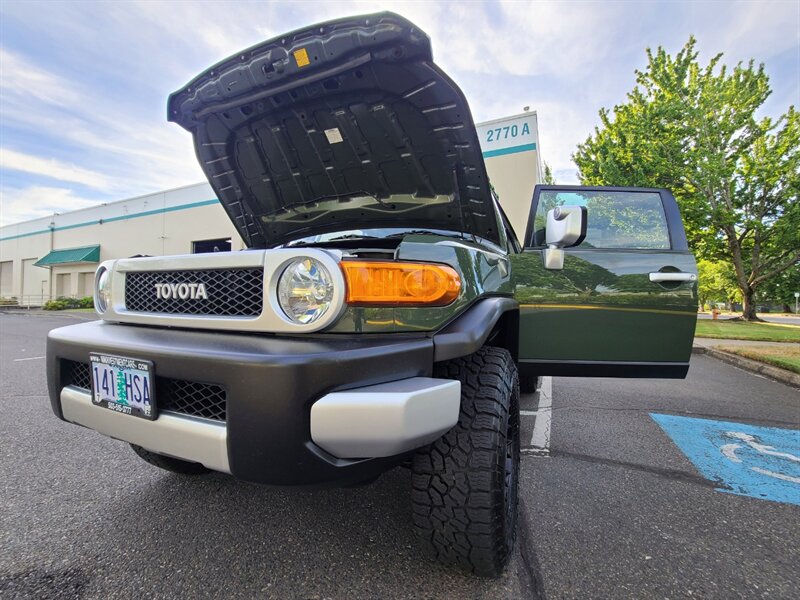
x=717, y=282
x=782, y=287
x=548, y=178
x=693, y=128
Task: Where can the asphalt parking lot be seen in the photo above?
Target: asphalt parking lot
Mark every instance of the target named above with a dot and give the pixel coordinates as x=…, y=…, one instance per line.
x=615, y=503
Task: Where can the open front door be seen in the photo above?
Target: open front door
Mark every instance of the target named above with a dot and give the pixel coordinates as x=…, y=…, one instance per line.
x=623, y=303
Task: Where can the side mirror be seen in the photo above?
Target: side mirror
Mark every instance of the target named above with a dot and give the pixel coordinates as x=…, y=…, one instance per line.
x=566, y=227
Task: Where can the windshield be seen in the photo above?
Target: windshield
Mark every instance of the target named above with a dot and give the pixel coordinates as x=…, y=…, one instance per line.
x=369, y=234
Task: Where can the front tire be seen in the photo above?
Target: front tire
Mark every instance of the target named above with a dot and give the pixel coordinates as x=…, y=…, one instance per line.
x=465, y=483
x=174, y=465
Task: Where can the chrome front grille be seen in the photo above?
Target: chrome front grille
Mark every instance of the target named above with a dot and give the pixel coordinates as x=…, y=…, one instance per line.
x=227, y=292
x=238, y=290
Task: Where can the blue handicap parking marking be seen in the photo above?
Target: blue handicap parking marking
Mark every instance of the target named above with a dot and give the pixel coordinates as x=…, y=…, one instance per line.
x=762, y=462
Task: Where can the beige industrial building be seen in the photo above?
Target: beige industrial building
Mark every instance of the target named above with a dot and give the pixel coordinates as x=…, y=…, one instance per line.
x=57, y=255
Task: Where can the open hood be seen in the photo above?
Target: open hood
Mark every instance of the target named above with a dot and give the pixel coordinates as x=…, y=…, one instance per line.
x=344, y=125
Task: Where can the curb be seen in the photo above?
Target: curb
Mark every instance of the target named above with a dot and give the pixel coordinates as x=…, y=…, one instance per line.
x=775, y=373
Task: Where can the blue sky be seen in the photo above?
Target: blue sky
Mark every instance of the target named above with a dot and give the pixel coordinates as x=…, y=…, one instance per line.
x=83, y=85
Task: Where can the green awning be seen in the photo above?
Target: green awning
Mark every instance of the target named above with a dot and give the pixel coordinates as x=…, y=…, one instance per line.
x=85, y=254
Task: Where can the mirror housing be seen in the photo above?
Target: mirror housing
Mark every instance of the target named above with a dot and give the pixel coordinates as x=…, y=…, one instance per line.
x=566, y=227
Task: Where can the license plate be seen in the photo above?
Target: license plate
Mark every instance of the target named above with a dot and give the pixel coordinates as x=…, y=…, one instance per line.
x=124, y=385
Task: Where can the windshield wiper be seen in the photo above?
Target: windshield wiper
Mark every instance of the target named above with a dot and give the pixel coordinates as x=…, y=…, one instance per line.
x=424, y=231
x=353, y=236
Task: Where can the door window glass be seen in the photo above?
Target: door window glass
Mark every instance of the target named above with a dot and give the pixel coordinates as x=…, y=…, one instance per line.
x=615, y=219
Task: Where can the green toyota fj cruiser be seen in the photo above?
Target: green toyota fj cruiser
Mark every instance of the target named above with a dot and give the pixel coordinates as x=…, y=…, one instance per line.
x=384, y=312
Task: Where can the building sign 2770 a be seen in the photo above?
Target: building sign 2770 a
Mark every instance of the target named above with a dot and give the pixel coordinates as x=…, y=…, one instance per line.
x=506, y=136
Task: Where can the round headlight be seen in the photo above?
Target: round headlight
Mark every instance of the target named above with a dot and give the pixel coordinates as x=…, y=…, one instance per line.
x=102, y=295
x=305, y=290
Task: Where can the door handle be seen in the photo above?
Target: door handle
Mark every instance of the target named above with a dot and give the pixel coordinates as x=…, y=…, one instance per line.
x=660, y=276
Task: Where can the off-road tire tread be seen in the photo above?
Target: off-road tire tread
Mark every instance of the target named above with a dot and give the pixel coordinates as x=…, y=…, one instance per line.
x=175, y=465
x=458, y=481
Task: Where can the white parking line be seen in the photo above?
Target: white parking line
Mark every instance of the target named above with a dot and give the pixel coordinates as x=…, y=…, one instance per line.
x=31, y=358
x=540, y=440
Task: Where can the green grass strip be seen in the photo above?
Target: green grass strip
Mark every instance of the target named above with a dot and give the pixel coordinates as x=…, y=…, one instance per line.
x=762, y=332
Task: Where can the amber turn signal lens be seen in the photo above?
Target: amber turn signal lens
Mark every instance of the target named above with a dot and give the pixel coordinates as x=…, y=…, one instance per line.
x=400, y=283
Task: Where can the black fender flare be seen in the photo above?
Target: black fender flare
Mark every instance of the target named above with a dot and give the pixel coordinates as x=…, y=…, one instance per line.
x=470, y=330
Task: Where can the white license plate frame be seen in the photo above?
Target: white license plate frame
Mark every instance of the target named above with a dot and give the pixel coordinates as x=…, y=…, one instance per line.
x=123, y=384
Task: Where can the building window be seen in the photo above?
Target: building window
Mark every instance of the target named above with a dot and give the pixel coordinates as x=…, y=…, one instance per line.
x=221, y=245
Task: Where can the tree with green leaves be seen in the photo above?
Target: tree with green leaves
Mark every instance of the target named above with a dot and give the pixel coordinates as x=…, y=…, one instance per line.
x=782, y=288
x=717, y=283
x=548, y=178
x=693, y=128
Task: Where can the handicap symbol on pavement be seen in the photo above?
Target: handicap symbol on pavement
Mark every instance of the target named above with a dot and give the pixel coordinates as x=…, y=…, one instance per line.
x=747, y=460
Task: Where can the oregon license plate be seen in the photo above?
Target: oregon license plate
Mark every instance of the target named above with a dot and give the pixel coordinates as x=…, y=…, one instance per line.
x=124, y=385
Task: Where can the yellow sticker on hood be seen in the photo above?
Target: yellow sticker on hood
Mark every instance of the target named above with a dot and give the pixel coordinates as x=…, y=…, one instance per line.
x=301, y=57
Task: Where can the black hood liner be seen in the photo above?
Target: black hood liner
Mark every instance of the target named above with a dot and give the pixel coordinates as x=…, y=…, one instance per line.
x=344, y=125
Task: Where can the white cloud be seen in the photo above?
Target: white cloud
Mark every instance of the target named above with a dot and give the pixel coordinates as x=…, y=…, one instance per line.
x=129, y=154
x=751, y=29
x=96, y=103
x=54, y=169
x=212, y=30
x=561, y=128
x=21, y=77
x=18, y=205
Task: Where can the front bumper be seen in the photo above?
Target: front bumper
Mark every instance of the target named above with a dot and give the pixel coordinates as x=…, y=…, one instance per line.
x=271, y=385
x=195, y=440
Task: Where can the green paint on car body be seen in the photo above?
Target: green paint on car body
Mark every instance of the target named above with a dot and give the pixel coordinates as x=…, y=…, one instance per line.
x=483, y=269
x=603, y=307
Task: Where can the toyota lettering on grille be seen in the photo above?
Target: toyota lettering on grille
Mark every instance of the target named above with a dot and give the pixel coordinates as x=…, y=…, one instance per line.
x=184, y=291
